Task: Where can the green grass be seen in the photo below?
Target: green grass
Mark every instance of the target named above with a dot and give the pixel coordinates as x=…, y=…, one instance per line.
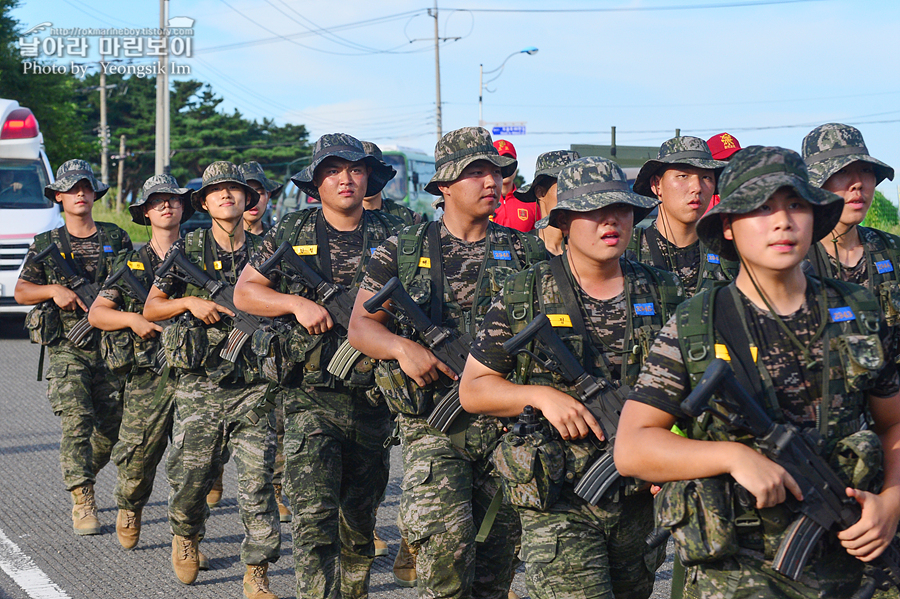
x=138, y=233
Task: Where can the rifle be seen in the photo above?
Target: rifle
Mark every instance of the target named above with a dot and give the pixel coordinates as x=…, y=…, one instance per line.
x=85, y=290
x=602, y=398
x=134, y=287
x=446, y=347
x=334, y=298
x=825, y=505
x=245, y=324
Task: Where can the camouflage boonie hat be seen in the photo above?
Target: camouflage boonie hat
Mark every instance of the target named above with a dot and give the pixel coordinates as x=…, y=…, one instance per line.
x=460, y=148
x=160, y=184
x=219, y=172
x=70, y=173
x=547, y=166
x=348, y=148
x=752, y=176
x=252, y=171
x=829, y=148
x=691, y=151
x=592, y=182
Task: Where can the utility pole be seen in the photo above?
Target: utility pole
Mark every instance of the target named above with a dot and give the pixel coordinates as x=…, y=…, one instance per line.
x=437, y=71
x=120, y=196
x=162, y=93
x=104, y=136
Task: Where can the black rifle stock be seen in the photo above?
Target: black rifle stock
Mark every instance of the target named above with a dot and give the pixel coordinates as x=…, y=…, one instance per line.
x=126, y=280
x=604, y=400
x=85, y=290
x=245, y=324
x=825, y=505
x=452, y=351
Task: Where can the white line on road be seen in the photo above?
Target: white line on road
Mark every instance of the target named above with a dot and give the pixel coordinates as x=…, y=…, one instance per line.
x=25, y=572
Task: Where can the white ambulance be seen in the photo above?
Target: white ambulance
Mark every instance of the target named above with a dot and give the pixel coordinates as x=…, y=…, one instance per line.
x=24, y=211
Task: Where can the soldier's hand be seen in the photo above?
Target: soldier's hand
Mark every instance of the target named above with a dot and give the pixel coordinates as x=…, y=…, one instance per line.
x=67, y=299
x=143, y=328
x=207, y=311
x=568, y=415
x=875, y=530
x=421, y=365
x=312, y=316
x=768, y=482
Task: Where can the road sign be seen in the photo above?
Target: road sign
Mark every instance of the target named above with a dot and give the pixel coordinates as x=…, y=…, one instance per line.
x=509, y=130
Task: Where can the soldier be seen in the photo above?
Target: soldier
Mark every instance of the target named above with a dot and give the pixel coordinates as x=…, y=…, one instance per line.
x=542, y=192
x=337, y=465
x=379, y=202
x=130, y=347
x=268, y=192
x=839, y=162
x=255, y=223
x=214, y=397
x=589, y=293
x=683, y=178
x=82, y=391
x=776, y=326
x=453, y=267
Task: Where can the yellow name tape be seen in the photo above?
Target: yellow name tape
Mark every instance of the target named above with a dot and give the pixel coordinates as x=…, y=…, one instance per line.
x=306, y=250
x=217, y=265
x=135, y=265
x=424, y=262
x=559, y=320
x=722, y=352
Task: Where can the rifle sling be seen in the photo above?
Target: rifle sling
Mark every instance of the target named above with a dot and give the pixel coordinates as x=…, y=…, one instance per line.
x=730, y=326
x=656, y=255
x=436, y=271
x=323, y=251
x=69, y=257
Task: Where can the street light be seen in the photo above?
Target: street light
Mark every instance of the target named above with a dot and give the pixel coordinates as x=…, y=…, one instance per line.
x=481, y=82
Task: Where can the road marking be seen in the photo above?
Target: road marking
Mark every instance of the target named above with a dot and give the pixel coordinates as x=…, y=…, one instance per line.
x=25, y=572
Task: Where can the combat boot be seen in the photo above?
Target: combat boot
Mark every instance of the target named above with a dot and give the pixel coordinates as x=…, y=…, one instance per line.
x=202, y=560
x=185, y=562
x=256, y=583
x=284, y=512
x=84, y=511
x=405, y=566
x=128, y=528
x=381, y=547
x=214, y=497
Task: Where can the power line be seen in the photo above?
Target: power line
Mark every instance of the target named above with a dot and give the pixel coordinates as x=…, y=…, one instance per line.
x=636, y=8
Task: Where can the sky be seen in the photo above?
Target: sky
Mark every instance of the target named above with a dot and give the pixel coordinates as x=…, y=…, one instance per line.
x=766, y=71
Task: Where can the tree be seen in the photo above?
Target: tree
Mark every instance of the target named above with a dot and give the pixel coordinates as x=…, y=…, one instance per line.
x=51, y=97
x=882, y=213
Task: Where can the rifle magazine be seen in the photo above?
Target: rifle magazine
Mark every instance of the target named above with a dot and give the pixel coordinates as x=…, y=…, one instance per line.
x=800, y=540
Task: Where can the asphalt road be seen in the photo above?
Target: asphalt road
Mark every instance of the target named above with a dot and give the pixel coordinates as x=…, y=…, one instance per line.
x=40, y=558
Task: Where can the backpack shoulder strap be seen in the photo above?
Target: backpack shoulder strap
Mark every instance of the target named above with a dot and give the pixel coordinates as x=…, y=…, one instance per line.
x=409, y=251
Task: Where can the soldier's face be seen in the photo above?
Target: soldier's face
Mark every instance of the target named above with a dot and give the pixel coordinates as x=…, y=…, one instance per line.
x=79, y=200
x=599, y=235
x=856, y=184
x=685, y=192
x=341, y=183
x=476, y=191
x=164, y=210
x=256, y=213
x=774, y=237
x=225, y=201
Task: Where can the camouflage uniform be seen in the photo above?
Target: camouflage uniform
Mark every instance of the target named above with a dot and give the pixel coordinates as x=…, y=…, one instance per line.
x=546, y=171
x=695, y=265
x=827, y=149
x=793, y=388
x=401, y=211
x=82, y=391
x=213, y=403
x=572, y=548
x=147, y=413
x=337, y=466
x=449, y=481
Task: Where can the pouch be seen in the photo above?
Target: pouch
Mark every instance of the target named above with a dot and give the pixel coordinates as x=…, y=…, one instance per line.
x=186, y=344
x=44, y=324
x=532, y=470
x=117, y=349
x=402, y=394
x=701, y=517
x=862, y=356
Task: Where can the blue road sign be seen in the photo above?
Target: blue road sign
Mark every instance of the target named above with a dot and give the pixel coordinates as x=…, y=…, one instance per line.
x=509, y=130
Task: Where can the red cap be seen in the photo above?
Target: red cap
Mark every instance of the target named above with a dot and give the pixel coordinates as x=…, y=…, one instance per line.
x=505, y=148
x=723, y=145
